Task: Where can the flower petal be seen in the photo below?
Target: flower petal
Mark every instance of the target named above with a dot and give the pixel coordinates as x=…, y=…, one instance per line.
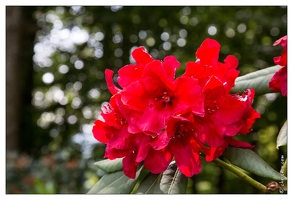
x=141, y=56
x=112, y=88
x=155, y=118
x=210, y=131
x=186, y=154
x=189, y=95
x=135, y=96
x=129, y=165
x=157, y=161
x=171, y=64
x=156, y=77
x=212, y=47
x=100, y=131
x=237, y=143
x=129, y=74
x=215, y=152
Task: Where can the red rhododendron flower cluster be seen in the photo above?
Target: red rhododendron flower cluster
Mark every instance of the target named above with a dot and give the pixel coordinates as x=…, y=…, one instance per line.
x=278, y=83
x=155, y=118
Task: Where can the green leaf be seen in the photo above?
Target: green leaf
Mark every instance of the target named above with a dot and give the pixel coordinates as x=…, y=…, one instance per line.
x=173, y=181
x=262, y=72
x=115, y=183
x=140, y=179
x=282, y=137
x=110, y=166
x=259, y=80
x=251, y=162
x=150, y=185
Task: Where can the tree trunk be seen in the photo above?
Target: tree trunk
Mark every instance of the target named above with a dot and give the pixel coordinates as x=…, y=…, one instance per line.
x=14, y=41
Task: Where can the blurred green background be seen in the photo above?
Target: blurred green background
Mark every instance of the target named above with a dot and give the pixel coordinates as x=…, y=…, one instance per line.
x=55, y=86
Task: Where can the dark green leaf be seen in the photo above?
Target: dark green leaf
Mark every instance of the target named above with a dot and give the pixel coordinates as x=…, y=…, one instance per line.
x=150, y=185
x=140, y=179
x=251, y=162
x=115, y=183
x=173, y=181
x=110, y=166
x=282, y=137
x=258, y=80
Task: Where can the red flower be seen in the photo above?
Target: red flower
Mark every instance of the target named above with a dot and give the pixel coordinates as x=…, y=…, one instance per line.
x=131, y=73
x=158, y=96
x=278, y=82
x=226, y=116
x=155, y=118
x=207, y=65
x=184, y=145
x=282, y=60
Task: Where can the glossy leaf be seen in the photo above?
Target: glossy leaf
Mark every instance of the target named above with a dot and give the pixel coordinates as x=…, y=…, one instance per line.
x=115, y=183
x=259, y=80
x=282, y=137
x=110, y=166
x=173, y=181
x=251, y=162
x=140, y=179
x=150, y=185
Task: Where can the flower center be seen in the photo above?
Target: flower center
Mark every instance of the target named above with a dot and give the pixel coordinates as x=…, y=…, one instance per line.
x=166, y=98
x=120, y=120
x=181, y=130
x=213, y=109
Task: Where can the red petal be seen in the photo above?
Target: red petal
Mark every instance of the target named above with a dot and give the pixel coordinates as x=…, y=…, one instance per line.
x=215, y=152
x=155, y=118
x=186, y=154
x=249, y=118
x=143, y=146
x=278, y=82
x=141, y=56
x=281, y=60
x=210, y=131
x=156, y=77
x=283, y=79
x=131, y=116
x=189, y=96
x=161, y=141
x=237, y=143
x=282, y=41
x=232, y=61
x=233, y=129
x=208, y=52
x=157, y=161
x=135, y=96
x=196, y=70
x=171, y=64
x=100, y=131
x=231, y=110
x=112, y=88
x=129, y=165
x=214, y=91
x=129, y=74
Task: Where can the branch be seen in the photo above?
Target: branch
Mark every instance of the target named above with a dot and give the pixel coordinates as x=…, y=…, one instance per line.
x=240, y=174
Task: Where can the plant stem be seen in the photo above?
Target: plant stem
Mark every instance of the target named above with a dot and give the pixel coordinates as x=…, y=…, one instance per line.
x=240, y=174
